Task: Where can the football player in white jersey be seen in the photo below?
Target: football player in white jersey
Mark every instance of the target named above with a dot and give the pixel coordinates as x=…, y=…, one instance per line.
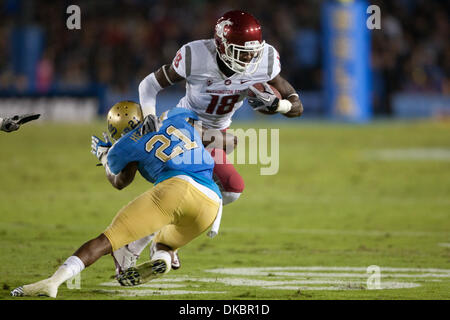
x=218, y=73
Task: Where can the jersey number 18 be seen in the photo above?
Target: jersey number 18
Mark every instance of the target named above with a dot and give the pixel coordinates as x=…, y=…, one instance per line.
x=226, y=104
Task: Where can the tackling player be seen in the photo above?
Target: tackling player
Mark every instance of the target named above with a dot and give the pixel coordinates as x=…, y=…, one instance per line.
x=184, y=202
x=218, y=74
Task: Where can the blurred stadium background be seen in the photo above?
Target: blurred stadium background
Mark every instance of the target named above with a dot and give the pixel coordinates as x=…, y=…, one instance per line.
x=122, y=41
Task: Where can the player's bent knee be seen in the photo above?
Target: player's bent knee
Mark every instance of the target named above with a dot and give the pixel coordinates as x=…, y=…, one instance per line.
x=92, y=250
x=105, y=243
x=102, y=245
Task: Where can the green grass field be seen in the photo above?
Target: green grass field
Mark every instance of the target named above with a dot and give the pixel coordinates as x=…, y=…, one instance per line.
x=338, y=203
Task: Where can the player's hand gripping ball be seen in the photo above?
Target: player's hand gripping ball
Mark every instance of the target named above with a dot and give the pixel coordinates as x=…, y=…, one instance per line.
x=263, y=96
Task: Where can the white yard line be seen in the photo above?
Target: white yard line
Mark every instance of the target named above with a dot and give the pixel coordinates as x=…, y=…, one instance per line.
x=370, y=233
x=285, y=278
x=146, y=292
x=416, y=154
x=244, y=271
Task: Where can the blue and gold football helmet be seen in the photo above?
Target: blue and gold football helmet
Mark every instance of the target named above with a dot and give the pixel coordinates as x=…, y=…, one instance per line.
x=123, y=117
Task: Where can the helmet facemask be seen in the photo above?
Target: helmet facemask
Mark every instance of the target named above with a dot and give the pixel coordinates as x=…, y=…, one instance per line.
x=232, y=53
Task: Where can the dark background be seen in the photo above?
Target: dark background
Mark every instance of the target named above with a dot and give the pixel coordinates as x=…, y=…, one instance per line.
x=122, y=41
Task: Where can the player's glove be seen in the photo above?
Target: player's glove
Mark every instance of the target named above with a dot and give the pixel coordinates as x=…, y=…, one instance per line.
x=12, y=124
x=9, y=125
x=100, y=148
x=266, y=100
x=150, y=124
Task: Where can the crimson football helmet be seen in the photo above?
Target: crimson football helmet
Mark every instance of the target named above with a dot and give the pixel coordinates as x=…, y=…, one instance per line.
x=239, y=41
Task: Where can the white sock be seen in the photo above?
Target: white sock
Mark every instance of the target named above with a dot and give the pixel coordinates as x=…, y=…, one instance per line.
x=137, y=246
x=69, y=269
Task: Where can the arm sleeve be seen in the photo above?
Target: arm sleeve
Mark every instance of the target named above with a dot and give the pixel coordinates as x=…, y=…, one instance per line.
x=117, y=159
x=148, y=89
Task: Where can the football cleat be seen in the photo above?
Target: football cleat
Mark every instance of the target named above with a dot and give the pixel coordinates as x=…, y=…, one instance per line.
x=42, y=288
x=129, y=277
x=158, y=266
x=176, y=264
x=17, y=292
x=124, y=259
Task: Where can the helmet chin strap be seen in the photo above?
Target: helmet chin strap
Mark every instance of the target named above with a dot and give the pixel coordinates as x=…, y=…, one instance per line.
x=223, y=66
x=237, y=67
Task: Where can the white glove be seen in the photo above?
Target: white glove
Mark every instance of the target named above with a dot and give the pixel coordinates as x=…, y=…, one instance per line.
x=14, y=123
x=100, y=148
x=266, y=100
x=8, y=125
x=150, y=124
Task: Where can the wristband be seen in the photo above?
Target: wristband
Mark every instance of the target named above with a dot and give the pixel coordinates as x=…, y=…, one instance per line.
x=284, y=106
x=165, y=74
x=104, y=159
x=108, y=170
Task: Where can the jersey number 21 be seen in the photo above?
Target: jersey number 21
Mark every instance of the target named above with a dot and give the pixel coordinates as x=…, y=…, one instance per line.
x=165, y=143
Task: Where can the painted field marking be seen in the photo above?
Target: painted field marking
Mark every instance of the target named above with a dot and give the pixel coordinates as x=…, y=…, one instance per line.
x=154, y=285
x=444, y=244
x=349, y=286
x=147, y=293
x=333, y=232
x=260, y=270
x=417, y=154
x=283, y=278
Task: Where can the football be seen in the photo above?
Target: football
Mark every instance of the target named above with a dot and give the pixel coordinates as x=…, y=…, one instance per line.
x=260, y=87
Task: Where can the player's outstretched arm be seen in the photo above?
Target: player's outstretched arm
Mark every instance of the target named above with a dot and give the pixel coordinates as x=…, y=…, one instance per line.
x=288, y=92
x=152, y=84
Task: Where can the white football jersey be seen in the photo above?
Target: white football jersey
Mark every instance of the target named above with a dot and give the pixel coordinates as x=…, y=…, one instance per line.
x=209, y=93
